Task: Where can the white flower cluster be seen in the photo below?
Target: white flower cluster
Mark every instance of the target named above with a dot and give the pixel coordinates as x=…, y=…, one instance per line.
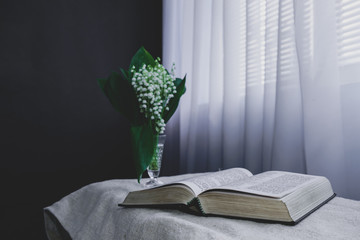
x=154, y=87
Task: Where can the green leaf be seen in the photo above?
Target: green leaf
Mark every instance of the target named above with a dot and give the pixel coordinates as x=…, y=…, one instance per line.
x=140, y=58
x=122, y=97
x=174, y=102
x=144, y=142
x=126, y=75
x=178, y=81
x=102, y=82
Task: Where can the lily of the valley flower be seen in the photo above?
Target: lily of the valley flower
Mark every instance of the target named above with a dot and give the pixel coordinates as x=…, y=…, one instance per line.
x=154, y=87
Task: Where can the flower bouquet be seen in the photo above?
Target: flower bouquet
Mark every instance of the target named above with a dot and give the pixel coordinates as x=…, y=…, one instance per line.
x=147, y=95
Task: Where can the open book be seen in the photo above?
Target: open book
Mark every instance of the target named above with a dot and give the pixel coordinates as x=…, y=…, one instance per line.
x=273, y=196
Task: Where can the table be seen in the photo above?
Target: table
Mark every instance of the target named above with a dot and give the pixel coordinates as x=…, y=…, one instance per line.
x=92, y=212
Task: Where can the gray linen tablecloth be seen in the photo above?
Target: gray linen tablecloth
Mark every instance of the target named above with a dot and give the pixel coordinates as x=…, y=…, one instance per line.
x=92, y=212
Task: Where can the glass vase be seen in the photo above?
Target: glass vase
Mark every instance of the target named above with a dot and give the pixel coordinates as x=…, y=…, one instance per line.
x=154, y=167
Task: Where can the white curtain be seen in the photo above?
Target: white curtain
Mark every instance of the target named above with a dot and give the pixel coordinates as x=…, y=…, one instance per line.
x=270, y=85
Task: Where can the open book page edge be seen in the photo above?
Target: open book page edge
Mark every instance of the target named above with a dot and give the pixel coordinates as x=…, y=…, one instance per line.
x=163, y=195
x=315, y=208
x=259, y=220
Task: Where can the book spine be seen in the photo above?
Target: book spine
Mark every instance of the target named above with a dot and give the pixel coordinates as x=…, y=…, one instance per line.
x=195, y=202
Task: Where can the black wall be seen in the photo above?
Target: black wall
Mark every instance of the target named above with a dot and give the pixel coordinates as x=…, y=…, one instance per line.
x=58, y=132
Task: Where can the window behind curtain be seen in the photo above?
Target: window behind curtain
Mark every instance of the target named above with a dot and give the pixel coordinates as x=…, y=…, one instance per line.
x=348, y=31
x=348, y=39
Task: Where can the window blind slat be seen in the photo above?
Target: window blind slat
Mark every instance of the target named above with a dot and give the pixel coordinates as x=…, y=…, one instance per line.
x=348, y=31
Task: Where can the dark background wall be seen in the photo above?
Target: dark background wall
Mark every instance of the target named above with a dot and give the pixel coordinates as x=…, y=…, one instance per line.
x=58, y=132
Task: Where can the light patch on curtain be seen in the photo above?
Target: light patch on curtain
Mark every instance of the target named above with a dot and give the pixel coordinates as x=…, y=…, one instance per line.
x=348, y=31
x=307, y=38
x=255, y=54
x=271, y=44
x=287, y=61
x=348, y=39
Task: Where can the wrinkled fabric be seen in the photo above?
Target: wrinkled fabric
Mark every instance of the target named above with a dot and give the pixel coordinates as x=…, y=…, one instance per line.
x=92, y=212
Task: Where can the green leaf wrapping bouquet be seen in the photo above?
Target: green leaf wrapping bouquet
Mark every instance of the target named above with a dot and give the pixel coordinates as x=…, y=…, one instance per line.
x=147, y=95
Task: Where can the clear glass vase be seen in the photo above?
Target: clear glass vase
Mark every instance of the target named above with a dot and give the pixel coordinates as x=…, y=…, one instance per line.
x=154, y=167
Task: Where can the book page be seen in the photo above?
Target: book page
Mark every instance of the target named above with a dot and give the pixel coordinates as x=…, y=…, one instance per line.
x=216, y=179
x=272, y=184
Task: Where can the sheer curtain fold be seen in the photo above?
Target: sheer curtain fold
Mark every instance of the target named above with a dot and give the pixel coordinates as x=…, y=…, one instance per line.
x=216, y=87
x=288, y=139
x=234, y=83
x=270, y=85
